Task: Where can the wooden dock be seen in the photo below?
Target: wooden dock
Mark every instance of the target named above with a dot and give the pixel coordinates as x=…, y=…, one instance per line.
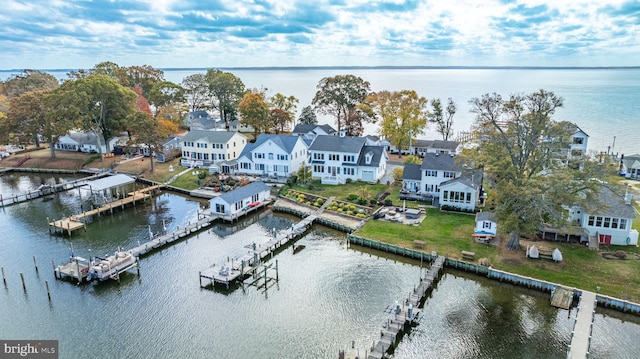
x=404, y=314
x=581, y=334
x=239, y=268
x=75, y=222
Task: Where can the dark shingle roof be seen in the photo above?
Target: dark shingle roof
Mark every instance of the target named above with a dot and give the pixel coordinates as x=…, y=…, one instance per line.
x=442, y=162
x=376, y=151
x=486, y=216
x=244, y=192
x=286, y=142
x=436, y=144
x=611, y=204
x=472, y=180
x=412, y=172
x=337, y=144
x=302, y=128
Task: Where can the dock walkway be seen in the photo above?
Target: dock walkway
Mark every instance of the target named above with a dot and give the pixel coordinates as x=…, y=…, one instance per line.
x=581, y=334
x=404, y=314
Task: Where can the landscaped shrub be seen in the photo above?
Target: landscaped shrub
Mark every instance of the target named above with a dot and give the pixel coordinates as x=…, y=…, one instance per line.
x=232, y=183
x=361, y=201
x=352, y=197
x=373, y=201
x=350, y=213
x=349, y=180
x=361, y=215
x=388, y=202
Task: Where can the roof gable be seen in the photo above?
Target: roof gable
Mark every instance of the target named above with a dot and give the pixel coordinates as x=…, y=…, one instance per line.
x=285, y=142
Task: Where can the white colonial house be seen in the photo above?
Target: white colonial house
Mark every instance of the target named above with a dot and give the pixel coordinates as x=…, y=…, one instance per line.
x=84, y=142
x=609, y=221
x=232, y=203
x=206, y=148
x=579, y=142
x=273, y=155
x=334, y=159
x=630, y=166
x=412, y=178
x=238, y=126
x=461, y=193
x=310, y=132
x=436, y=169
x=486, y=225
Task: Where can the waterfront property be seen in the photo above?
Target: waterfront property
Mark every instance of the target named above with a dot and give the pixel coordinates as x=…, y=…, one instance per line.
x=273, y=155
x=421, y=147
x=310, y=132
x=231, y=204
x=205, y=148
x=486, y=226
x=336, y=159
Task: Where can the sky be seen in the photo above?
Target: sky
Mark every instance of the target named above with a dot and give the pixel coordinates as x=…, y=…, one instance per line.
x=74, y=34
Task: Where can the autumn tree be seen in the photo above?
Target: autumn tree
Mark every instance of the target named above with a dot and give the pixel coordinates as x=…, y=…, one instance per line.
x=165, y=93
x=254, y=111
x=144, y=131
x=28, y=81
x=282, y=111
x=343, y=97
x=142, y=105
x=520, y=153
x=443, y=119
x=225, y=93
x=402, y=113
x=308, y=116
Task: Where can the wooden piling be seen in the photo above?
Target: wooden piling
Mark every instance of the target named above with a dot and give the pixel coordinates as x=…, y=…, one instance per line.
x=4, y=279
x=35, y=263
x=23, y=284
x=46, y=282
x=49, y=225
x=277, y=270
x=53, y=264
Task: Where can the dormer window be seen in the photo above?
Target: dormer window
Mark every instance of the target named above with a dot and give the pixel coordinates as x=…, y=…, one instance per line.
x=368, y=157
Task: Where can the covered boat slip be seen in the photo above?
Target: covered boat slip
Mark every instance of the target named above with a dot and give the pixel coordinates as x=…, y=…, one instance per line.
x=101, y=190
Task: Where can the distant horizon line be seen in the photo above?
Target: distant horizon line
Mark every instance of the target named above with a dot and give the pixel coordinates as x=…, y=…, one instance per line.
x=383, y=67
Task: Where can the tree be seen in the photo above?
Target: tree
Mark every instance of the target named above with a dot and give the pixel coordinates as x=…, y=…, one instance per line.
x=412, y=160
x=342, y=96
x=145, y=130
x=254, y=111
x=196, y=90
x=520, y=154
x=308, y=116
x=28, y=81
x=282, y=111
x=165, y=93
x=443, y=119
x=144, y=76
x=397, y=175
x=103, y=105
x=142, y=105
x=225, y=93
x=402, y=115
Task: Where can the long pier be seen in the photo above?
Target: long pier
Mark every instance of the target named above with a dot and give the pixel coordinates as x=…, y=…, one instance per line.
x=404, y=315
x=581, y=334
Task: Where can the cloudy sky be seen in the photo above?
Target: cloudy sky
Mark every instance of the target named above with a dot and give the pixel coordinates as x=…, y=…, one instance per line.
x=63, y=34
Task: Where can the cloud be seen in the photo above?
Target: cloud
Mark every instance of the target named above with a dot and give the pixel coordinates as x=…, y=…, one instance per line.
x=185, y=33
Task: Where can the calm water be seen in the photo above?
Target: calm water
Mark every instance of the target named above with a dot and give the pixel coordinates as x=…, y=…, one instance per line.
x=603, y=102
x=326, y=296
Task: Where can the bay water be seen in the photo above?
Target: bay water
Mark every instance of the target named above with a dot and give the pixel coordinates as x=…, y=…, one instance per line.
x=327, y=295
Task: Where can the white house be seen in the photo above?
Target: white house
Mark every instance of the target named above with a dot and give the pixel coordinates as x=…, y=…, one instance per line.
x=579, y=142
x=310, y=132
x=82, y=142
x=412, y=178
x=169, y=149
x=273, y=155
x=204, y=148
x=462, y=193
x=230, y=204
x=202, y=120
x=237, y=126
x=420, y=147
x=486, y=225
x=437, y=168
x=630, y=166
x=334, y=159
x=609, y=221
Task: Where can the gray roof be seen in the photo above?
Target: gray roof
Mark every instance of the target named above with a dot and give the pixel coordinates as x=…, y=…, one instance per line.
x=209, y=136
x=286, y=142
x=440, y=162
x=302, y=128
x=244, y=192
x=85, y=138
x=337, y=144
x=437, y=144
x=472, y=180
x=610, y=204
x=630, y=160
x=486, y=216
x=246, y=151
x=376, y=151
x=412, y=172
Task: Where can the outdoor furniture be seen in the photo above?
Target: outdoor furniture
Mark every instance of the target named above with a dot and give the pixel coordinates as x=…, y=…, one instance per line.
x=468, y=255
x=418, y=244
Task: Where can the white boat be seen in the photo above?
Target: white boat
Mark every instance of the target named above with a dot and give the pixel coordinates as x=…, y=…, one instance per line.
x=112, y=266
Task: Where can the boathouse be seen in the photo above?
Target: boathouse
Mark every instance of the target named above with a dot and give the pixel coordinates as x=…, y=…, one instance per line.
x=232, y=203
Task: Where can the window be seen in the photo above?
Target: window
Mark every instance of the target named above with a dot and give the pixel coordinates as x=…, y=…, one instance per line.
x=431, y=173
x=578, y=140
x=205, y=156
x=448, y=174
x=245, y=166
x=614, y=223
x=270, y=156
x=258, y=155
x=222, y=156
x=333, y=157
x=607, y=222
x=486, y=224
x=598, y=221
x=348, y=158
x=282, y=157
x=318, y=169
x=468, y=200
x=623, y=223
x=318, y=156
x=591, y=220
x=349, y=171
x=219, y=208
x=445, y=196
x=428, y=187
x=260, y=166
x=214, y=157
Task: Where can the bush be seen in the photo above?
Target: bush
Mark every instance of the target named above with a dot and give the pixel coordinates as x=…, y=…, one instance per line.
x=361, y=201
x=352, y=197
x=232, y=183
x=350, y=213
x=373, y=201
x=349, y=180
x=388, y=202
x=361, y=215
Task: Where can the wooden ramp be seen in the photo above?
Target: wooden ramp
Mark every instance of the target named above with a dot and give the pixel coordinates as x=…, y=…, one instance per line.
x=562, y=297
x=581, y=335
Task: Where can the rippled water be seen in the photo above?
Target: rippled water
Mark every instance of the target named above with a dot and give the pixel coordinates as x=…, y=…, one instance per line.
x=327, y=296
